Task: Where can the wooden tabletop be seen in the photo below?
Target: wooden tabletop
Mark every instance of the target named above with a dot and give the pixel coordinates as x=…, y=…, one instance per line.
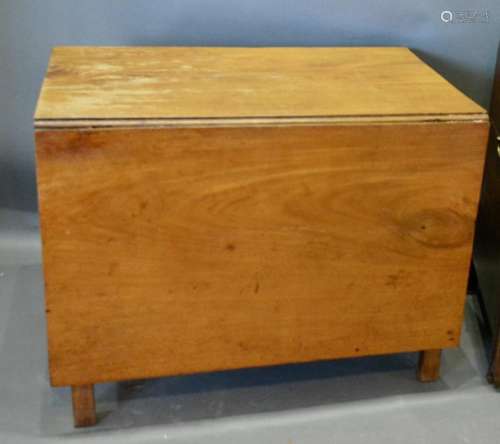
x=108, y=86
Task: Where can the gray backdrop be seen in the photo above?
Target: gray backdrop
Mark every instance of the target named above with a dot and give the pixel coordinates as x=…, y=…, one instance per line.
x=463, y=52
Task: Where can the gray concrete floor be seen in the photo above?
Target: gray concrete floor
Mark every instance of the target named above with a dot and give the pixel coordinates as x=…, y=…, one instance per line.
x=364, y=400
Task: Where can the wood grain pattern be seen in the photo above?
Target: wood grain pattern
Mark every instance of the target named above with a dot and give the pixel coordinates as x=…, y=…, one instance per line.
x=96, y=84
x=170, y=251
x=429, y=365
x=84, y=413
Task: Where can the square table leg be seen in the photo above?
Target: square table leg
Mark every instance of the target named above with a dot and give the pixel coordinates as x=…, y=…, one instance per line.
x=84, y=413
x=429, y=365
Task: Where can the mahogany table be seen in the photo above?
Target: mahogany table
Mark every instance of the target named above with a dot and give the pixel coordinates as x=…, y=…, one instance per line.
x=219, y=208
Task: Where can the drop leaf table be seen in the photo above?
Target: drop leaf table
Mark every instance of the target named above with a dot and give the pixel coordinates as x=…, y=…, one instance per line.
x=206, y=209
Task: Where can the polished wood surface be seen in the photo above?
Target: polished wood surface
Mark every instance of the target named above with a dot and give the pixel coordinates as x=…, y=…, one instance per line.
x=487, y=239
x=170, y=251
x=429, y=365
x=495, y=97
x=84, y=413
x=93, y=85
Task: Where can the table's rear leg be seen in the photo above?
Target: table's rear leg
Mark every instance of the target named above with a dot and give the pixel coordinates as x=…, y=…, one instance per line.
x=429, y=365
x=83, y=405
x=494, y=372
